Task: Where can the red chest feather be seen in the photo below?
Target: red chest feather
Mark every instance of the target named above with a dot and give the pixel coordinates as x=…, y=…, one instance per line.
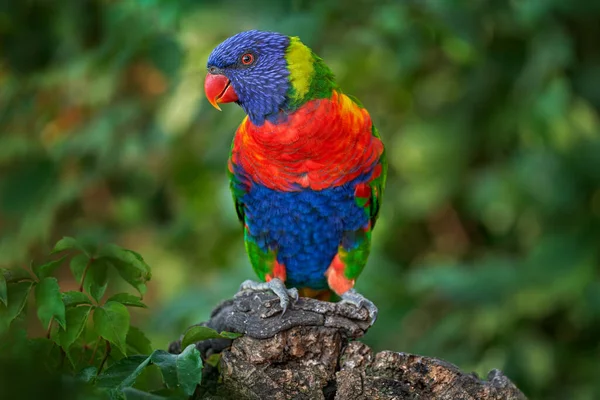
x=325, y=143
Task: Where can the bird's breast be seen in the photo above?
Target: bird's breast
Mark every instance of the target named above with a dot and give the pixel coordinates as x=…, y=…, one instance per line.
x=325, y=143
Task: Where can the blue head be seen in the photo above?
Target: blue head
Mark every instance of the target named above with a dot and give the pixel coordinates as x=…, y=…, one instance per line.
x=250, y=68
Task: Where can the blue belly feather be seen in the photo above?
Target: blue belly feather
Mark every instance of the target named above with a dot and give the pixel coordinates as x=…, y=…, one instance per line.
x=304, y=227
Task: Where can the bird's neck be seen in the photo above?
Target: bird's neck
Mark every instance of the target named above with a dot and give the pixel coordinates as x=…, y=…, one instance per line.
x=309, y=79
x=313, y=82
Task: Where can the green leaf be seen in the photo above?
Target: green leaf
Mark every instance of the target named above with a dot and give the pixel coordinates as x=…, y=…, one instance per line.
x=96, y=274
x=214, y=359
x=198, y=333
x=49, y=302
x=138, y=342
x=73, y=298
x=17, y=298
x=16, y=274
x=128, y=300
x=118, y=372
x=96, y=279
x=135, y=277
x=78, y=265
x=130, y=265
x=230, y=335
x=76, y=320
x=69, y=243
x=183, y=370
x=3, y=290
x=115, y=252
x=167, y=363
x=47, y=269
x=189, y=369
x=111, y=321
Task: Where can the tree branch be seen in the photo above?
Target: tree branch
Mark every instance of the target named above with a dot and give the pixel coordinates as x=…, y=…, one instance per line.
x=308, y=354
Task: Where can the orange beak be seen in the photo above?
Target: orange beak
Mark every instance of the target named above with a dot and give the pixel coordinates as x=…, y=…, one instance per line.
x=218, y=89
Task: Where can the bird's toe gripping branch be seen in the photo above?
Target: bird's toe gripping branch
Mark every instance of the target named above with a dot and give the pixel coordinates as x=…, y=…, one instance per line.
x=358, y=300
x=276, y=286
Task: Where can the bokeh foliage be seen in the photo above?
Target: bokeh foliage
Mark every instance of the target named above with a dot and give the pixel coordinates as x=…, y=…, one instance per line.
x=487, y=250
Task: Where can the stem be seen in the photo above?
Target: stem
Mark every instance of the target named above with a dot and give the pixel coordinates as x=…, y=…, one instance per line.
x=49, y=327
x=106, y=354
x=87, y=266
x=83, y=349
x=29, y=270
x=94, y=352
x=62, y=358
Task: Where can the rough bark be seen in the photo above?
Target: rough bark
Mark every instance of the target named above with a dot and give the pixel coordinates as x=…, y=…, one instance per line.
x=309, y=353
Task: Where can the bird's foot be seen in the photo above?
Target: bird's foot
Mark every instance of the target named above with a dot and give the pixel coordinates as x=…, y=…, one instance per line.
x=358, y=300
x=276, y=286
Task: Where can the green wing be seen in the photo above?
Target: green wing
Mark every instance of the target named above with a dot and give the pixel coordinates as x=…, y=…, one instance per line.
x=377, y=185
x=238, y=190
x=355, y=258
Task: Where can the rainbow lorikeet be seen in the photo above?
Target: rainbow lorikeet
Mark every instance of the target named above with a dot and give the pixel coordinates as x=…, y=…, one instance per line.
x=307, y=167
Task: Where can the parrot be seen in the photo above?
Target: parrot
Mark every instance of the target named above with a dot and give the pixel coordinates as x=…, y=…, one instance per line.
x=307, y=168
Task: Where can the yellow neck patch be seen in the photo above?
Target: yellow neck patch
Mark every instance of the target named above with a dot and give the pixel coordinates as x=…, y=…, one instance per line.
x=300, y=64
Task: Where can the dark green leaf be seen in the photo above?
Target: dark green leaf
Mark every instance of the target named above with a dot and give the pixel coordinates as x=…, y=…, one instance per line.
x=17, y=298
x=138, y=342
x=45, y=347
x=130, y=380
x=49, y=302
x=76, y=320
x=136, y=394
x=16, y=274
x=68, y=243
x=73, y=298
x=198, y=333
x=78, y=265
x=3, y=290
x=128, y=300
x=114, y=375
x=116, y=394
x=96, y=279
x=88, y=374
x=111, y=321
x=179, y=371
x=47, y=269
x=183, y=370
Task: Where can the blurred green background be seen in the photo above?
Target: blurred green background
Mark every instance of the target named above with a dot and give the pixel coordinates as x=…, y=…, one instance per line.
x=487, y=250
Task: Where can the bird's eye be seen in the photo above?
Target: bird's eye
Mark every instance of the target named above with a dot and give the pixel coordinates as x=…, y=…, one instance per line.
x=247, y=59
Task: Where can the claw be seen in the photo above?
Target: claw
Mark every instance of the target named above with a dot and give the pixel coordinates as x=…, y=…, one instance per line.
x=293, y=293
x=360, y=301
x=276, y=286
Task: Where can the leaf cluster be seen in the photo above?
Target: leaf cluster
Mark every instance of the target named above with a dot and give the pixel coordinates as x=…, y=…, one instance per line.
x=89, y=335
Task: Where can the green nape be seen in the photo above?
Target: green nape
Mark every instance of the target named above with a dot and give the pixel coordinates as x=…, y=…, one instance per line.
x=310, y=77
